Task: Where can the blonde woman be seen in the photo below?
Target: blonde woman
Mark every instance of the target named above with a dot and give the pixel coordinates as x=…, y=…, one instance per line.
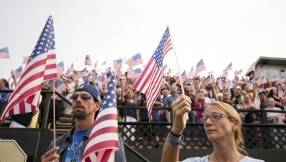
x=223, y=128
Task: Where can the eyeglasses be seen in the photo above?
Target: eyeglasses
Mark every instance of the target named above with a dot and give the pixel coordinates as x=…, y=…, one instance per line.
x=214, y=117
x=84, y=96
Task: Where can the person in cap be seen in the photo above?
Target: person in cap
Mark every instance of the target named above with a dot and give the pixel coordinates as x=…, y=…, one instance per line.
x=70, y=146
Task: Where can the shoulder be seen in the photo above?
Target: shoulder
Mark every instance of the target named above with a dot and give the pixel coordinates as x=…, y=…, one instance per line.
x=197, y=159
x=58, y=140
x=250, y=159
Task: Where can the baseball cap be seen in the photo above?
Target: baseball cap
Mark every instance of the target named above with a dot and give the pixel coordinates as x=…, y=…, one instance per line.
x=90, y=89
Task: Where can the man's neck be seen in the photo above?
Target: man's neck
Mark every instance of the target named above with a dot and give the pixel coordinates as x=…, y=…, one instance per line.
x=83, y=124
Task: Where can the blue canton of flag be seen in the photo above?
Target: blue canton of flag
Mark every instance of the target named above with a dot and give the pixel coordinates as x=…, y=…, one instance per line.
x=18, y=72
x=200, y=66
x=4, y=53
x=60, y=68
x=87, y=60
x=117, y=63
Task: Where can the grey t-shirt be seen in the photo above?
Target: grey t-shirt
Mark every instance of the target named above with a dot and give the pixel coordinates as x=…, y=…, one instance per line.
x=205, y=159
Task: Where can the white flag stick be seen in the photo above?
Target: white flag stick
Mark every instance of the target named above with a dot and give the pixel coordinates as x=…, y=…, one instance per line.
x=180, y=77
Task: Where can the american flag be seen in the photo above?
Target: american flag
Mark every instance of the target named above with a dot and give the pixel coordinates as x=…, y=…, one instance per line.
x=280, y=92
x=282, y=80
x=251, y=68
x=134, y=60
x=25, y=59
x=95, y=65
x=229, y=67
x=119, y=72
x=238, y=72
x=41, y=66
x=149, y=82
x=80, y=74
x=164, y=68
x=104, y=63
x=133, y=73
x=261, y=80
x=18, y=72
x=274, y=78
x=103, y=140
x=71, y=69
x=183, y=76
x=60, y=68
x=224, y=75
x=4, y=53
x=191, y=73
x=68, y=72
x=200, y=66
x=170, y=71
x=228, y=84
x=60, y=87
x=87, y=60
x=117, y=63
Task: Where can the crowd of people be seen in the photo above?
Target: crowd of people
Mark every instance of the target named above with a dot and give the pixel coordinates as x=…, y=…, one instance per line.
x=202, y=92
x=240, y=93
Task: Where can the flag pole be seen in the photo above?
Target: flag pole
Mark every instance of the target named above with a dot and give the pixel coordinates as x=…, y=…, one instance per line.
x=54, y=113
x=180, y=77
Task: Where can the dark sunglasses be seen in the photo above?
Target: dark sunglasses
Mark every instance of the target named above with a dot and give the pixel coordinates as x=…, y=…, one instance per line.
x=83, y=96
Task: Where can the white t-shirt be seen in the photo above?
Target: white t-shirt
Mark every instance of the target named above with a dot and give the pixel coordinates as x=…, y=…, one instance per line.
x=205, y=159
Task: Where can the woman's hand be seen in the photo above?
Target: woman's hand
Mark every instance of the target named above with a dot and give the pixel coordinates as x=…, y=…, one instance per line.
x=180, y=107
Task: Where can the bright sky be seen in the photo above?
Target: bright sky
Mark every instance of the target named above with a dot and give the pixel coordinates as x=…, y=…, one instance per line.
x=220, y=32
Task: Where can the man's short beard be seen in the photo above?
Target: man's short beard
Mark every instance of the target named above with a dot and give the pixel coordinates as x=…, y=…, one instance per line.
x=80, y=114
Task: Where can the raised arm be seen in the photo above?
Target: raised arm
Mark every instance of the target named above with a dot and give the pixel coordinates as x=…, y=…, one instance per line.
x=172, y=144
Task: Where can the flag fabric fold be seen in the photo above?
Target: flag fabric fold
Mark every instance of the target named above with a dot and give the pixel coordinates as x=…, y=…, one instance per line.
x=149, y=82
x=40, y=67
x=229, y=67
x=103, y=140
x=134, y=73
x=117, y=64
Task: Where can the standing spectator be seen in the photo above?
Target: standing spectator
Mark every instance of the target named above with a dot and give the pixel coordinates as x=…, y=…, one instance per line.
x=4, y=85
x=262, y=96
x=129, y=114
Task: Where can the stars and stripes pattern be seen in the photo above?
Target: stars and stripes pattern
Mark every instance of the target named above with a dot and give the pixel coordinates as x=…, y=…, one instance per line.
x=18, y=72
x=87, y=60
x=71, y=69
x=229, y=67
x=164, y=68
x=40, y=67
x=134, y=60
x=25, y=59
x=4, y=53
x=169, y=71
x=104, y=63
x=60, y=87
x=200, y=66
x=280, y=92
x=191, y=73
x=60, y=68
x=261, y=80
x=183, y=77
x=134, y=73
x=274, y=78
x=238, y=72
x=80, y=74
x=108, y=69
x=103, y=140
x=251, y=68
x=149, y=82
x=117, y=63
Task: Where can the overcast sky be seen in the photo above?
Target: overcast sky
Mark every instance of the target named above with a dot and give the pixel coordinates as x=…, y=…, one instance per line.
x=220, y=32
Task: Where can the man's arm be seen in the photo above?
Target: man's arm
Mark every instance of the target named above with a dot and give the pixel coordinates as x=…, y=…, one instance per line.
x=120, y=154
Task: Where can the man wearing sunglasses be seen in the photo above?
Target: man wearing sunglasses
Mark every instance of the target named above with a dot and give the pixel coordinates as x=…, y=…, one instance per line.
x=70, y=147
